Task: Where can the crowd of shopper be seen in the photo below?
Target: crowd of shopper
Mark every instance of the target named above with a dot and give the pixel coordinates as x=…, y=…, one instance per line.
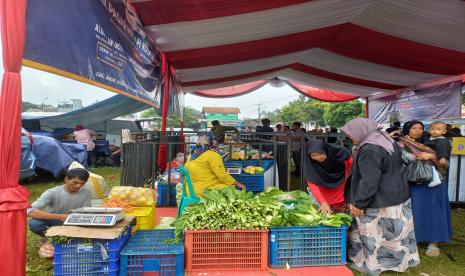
x=373, y=183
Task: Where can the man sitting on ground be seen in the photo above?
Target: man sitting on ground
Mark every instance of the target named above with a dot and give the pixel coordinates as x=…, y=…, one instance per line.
x=53, y=206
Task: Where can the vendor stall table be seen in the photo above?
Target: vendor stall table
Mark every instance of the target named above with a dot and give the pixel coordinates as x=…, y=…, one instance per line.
x=297, y=271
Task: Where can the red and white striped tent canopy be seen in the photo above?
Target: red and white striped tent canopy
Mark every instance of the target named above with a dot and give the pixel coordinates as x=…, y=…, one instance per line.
x=360, y=47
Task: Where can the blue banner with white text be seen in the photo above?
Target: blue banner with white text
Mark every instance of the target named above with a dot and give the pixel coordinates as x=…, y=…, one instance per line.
x=441, y=101
x=100, y=42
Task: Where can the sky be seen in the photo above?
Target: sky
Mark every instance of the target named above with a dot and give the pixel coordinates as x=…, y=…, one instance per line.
x=39, y=86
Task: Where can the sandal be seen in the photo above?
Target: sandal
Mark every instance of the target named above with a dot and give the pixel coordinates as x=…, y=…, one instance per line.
x=46, y=251
x=432, y=251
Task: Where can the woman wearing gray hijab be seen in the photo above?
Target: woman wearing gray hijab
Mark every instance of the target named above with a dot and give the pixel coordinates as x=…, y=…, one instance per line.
x=382, y=236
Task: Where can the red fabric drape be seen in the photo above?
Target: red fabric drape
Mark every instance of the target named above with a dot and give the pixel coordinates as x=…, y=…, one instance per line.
x=13, y=197
x=321, y=94
x=231, y=91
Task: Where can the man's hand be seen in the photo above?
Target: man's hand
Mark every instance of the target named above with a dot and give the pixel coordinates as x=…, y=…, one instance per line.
x=325, y=208
x=355, y=212
x=62, y=217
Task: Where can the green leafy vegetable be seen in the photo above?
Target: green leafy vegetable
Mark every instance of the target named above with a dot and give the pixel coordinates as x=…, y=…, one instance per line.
x=231, y=209
x=226, y=208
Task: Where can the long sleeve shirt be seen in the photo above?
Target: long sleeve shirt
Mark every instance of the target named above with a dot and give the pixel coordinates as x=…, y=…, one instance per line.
x=378, y=178
x=331, y=196
x=207, y=172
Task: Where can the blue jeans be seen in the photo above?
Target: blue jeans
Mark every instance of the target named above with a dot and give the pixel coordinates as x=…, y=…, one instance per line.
x=40, y=226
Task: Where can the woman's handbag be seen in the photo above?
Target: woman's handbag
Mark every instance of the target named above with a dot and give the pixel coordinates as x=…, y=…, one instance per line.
x=419, y=172
x=186, y=200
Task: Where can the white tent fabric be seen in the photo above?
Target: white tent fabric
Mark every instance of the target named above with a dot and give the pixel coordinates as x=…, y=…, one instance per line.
x=257, y=25
x=354, y=46
x=317, y=58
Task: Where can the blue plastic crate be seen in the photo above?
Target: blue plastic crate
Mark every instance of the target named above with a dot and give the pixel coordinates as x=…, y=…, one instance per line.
x=146, y=251
x=166, y=195
x=252, y=182
x=90, y=257
x=266, y=164
x=307, y=246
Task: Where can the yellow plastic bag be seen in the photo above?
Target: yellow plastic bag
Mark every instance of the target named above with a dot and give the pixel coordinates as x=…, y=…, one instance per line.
x=135, y=196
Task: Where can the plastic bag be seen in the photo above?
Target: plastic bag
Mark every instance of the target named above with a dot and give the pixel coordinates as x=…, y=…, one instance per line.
x=178, y=192
x=419, y=172
x=137, y=197
x=165, y=223
x=175, y=176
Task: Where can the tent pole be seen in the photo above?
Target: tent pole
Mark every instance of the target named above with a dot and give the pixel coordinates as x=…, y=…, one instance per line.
x=164, y=114
x=366, y=107
x=162, y=158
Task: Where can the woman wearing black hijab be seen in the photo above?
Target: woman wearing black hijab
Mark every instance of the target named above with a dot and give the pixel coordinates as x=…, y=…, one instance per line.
x=430, y=206
x=327, y=170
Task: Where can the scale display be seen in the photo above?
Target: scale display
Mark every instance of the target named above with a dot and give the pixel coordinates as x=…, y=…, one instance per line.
x=91, y=220
x=234, y=170
x=99, y=217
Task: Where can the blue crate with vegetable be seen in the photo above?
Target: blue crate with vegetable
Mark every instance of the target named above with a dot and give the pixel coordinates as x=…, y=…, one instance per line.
x=302, y=236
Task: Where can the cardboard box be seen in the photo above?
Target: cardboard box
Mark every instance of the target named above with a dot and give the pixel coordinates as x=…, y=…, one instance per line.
x=103, y=233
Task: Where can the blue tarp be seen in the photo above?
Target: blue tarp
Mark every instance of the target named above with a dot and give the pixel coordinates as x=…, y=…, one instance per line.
x=108, y=109
x=55, y=133
x=54, y=156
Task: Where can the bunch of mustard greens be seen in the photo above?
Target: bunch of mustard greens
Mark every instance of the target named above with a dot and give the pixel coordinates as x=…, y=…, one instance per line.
x=232, y=209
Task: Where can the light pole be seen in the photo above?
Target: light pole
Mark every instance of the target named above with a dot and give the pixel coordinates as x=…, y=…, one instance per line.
x=43, y=103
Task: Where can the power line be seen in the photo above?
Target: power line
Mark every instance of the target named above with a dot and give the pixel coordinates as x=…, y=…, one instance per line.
x=270, y=101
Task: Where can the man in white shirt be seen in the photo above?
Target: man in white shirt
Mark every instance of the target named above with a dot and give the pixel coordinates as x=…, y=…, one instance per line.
x=297, y=140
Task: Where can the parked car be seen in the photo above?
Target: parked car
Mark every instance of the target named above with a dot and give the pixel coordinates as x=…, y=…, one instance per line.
x=28, y=159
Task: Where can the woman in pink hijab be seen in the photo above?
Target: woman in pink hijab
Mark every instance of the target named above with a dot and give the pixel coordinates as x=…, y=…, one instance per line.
x=382, y=236
x=85, y=136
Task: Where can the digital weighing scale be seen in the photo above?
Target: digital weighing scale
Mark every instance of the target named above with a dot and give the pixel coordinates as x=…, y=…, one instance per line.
x=234, y=169
x=95, y=216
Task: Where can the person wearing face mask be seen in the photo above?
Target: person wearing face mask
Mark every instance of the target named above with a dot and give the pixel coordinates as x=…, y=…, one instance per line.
x=327, y=169
x=382, y=235
x=206, y=167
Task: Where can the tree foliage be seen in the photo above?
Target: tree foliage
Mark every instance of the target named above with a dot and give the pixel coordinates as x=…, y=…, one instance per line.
x=190, y=117
x=274, y=116
x=338, y=114
x=27, y=105
x=318, y=113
